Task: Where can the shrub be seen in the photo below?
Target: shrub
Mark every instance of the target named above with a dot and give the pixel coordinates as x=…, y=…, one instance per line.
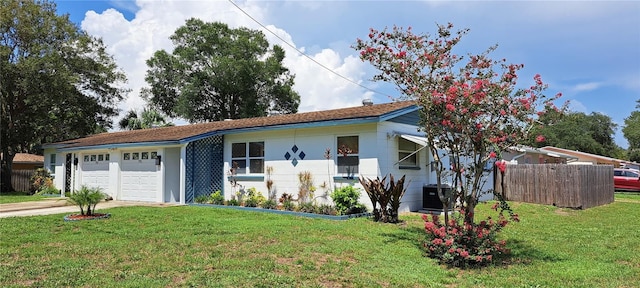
x=384, y=198
x=462, y=244
x=305, y=187
x=253, y=198
x=233, y=202
x=285, y=198
x=201, y=199
x=270, y=204
x=87, y=199
x=40, y=180
x=216, y=198
x=346, y=200
x=308, y=207
x=48, y=190
x=287, y=202
x=327, y=209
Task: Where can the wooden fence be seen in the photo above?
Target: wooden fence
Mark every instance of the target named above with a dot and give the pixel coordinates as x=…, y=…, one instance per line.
x=21, y=179
x=571, y=186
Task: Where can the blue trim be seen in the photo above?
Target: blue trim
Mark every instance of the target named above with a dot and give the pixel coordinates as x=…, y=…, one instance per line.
x=412, y=118
x=247, y=178
x=344, y=179
x=293, y=213
x=403, y=111
x=409, y=168
x=120, y=145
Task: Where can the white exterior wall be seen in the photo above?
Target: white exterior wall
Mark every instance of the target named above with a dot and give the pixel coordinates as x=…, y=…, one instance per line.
x=388, y=135
x=378, y=155
x=109, y=176
x=313, y=142
x=58, y=174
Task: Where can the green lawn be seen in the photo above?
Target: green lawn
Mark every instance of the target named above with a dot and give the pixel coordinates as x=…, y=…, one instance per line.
x=201, y=246
x=15, y=197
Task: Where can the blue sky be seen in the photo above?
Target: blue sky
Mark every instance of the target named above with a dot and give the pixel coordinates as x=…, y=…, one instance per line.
x=588, y=50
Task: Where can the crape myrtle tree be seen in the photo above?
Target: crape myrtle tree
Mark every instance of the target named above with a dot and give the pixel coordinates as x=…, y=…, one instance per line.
x=57, y=81
x=470, y=105
x=216, y=73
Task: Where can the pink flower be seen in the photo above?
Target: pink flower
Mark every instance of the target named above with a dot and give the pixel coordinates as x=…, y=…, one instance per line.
x=428, y=226
x=449, y=242
x=450, y=107
x=540, y=138
x=492, y=154
x=437, y=241
x=502, y=165
x=464, y=254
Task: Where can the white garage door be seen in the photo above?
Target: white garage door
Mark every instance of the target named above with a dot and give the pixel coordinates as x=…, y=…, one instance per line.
x=95, y=171
x=139, y=176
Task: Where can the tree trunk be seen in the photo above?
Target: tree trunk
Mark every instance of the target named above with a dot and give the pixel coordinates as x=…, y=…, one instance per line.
x=5, y=178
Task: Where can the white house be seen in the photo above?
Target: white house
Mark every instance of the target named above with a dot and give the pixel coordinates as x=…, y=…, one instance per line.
x=176, y=164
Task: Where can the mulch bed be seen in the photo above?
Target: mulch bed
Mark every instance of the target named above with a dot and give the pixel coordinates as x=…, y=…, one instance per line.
x=79, y=217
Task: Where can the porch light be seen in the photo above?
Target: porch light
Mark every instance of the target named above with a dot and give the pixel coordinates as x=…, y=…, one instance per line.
x=158, y=159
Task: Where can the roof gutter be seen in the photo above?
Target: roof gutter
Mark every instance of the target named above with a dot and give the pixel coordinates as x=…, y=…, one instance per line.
x=119, y=145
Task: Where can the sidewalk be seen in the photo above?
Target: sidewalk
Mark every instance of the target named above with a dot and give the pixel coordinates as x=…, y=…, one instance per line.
x=60, y=205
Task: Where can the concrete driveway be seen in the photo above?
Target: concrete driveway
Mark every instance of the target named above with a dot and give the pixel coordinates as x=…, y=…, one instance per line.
x=60, y=205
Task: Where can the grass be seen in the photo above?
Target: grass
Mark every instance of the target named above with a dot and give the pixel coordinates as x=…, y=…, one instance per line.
x=201, y=246
x=16, y=197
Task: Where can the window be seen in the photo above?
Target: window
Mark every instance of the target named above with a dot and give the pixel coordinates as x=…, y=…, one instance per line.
x=407, y=155
x=52, y=164
x=248, y=155
x=93, y=158
x=85, y=158
x=348, y=159
x=135, y=156
x=106, y=157
x=100, y=157
x=145, y=155
x=126, y=156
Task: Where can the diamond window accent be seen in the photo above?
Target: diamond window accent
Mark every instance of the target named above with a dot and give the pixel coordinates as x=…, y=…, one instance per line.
x=302, y=155
x=294, y=148
x=294, y=162
x=287, y=155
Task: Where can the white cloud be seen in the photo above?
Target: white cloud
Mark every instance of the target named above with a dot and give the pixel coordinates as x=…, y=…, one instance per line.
x=133, y=42
x=577, y=106
x=586, y=86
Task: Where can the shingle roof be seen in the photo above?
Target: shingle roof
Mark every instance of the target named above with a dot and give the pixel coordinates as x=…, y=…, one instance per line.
x=177, y=133
x=27, y=158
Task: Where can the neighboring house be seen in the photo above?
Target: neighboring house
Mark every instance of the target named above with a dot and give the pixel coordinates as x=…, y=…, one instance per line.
x=26, y=161
x=530, y=155
x=179, y=163
x=23, y=167
x=585, y=158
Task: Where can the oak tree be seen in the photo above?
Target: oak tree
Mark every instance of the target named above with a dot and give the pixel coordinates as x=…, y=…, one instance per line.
x=215, y=72
x=57, y=81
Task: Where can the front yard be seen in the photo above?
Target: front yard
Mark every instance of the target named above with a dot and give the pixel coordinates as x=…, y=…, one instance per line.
x=201, y=246
x=16, y=197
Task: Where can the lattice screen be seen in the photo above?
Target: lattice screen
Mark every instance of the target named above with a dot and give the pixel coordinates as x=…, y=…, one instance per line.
x=204, y=167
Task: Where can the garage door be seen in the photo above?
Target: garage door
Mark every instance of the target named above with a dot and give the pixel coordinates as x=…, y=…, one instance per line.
x=95, y=171
x=139, y=176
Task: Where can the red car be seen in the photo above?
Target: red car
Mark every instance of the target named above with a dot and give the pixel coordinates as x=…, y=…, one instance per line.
x=626, y=179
